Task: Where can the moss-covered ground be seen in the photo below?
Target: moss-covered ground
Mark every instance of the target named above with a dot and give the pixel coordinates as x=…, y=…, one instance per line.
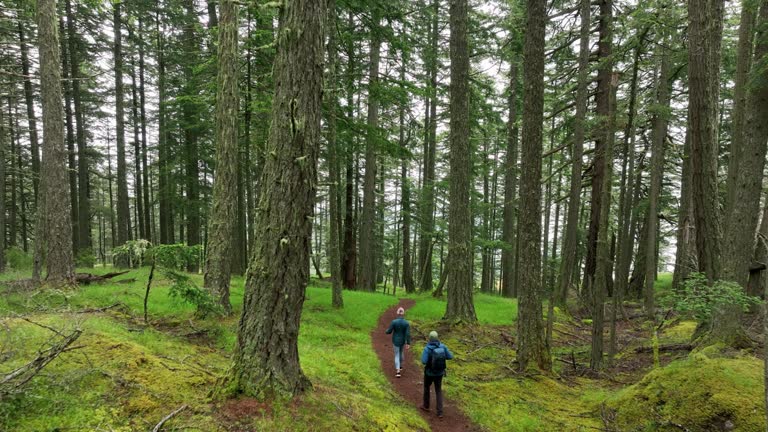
x=125, y=375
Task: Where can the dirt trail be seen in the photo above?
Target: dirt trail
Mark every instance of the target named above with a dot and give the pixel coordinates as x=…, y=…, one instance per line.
x=411, y=384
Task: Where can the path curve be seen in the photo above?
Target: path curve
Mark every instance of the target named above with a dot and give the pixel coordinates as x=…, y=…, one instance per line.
x=410, y=386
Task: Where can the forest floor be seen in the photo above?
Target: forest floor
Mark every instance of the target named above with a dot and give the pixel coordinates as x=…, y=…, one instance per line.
x=123, y=374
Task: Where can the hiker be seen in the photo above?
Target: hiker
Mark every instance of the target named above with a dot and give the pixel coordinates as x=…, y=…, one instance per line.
x=401, y=339
x=434, y=358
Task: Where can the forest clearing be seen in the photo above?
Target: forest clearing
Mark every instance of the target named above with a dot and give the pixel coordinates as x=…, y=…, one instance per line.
x=368, y=215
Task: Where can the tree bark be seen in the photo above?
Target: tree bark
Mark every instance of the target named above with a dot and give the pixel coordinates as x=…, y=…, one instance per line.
x=568, y=267
x=742, y=220
x=223, y=215
x=266, y=357
x=460, y=252
x=743, y=65
x=54, y=187
x=533, y=346
x=705, y=28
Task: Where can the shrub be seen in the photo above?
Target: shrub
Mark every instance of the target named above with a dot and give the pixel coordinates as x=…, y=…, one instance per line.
x=699, y=299
x=17, y=259
x=85, y=258
x=184, y=289
x=175, y=256
x=131, y=254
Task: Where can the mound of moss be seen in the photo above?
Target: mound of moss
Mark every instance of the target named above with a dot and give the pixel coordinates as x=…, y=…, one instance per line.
x=696, y=394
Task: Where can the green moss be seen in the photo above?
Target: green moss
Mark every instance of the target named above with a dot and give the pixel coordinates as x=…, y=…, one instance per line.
x=682, y=331
x=700, y=393
x=127, y=375
x=490, y=309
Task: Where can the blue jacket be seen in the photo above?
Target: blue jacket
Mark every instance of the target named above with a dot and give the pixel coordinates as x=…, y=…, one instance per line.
x=425, y=357
x=401, y=332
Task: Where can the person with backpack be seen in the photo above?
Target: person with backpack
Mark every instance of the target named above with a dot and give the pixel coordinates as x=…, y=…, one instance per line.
x=434, y=359
x=401, y=339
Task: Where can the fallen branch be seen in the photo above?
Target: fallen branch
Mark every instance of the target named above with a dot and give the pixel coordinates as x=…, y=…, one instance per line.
x=12, y=381
x=159, y=426
x=101, y=309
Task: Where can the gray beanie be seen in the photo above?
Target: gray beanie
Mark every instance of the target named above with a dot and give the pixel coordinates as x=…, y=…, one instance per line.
x=433, y=335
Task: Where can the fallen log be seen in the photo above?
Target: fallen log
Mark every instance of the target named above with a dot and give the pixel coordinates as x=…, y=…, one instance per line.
x=665, y=348
x=89, y=278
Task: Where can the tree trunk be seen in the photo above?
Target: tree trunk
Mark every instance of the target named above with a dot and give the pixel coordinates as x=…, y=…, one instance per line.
x=3, y=134
x=533, y=346
x=266, y=357
x=163, y=182
x=149, y=226
x=660, y=123
x=705, y=28
x=191, y=119
x=597, y=279
x=70, y=133
x=508, y=270
x=626, y=240
x=743, y=65
x=568, y=265
x=334, y=167
x=31, y=117
x=83, y=198
x=224, y=209
x=368, y=219
x=427, y=204
x=55, y=221
x=405, y=183
x=123, y=209
x=742, y=221
x=137, y=179
x=460, y=284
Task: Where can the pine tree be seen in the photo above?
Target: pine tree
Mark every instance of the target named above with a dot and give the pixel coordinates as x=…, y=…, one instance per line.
x=266, y=357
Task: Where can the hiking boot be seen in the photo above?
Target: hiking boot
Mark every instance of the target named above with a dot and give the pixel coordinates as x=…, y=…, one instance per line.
x=439, y=415
x=397, y=374
x=423, y=408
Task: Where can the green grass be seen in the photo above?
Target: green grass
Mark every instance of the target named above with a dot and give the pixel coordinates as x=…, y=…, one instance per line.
x=128, y=376
x=493, y=310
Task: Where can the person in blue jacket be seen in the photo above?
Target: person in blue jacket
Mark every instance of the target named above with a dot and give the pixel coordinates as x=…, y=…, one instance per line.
x=401, y=339
x=434, y=359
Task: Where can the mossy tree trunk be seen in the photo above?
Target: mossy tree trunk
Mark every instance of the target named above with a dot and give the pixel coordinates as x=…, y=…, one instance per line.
x=54, y=186
x=223, y=215
x=460, y=254
x=29, y=99
x=405, y=182
x=533, y=346
x=266, y=357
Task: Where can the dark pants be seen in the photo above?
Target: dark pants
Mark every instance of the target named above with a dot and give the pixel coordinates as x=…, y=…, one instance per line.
x=438, y=381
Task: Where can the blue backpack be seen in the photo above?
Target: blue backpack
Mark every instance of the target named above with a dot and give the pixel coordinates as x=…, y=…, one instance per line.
x=437, y=358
